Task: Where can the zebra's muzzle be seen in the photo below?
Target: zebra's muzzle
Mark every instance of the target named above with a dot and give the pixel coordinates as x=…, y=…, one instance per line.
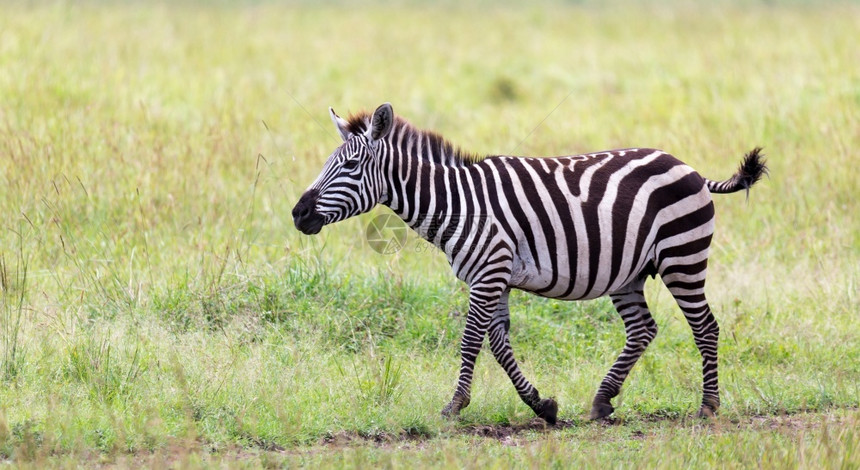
x=305, y=216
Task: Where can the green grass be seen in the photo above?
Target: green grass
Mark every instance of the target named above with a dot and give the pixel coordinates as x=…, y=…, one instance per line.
x=159, y=309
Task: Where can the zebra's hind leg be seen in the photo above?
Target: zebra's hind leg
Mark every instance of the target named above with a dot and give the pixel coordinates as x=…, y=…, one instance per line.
x=500, y=344
x=687, y=285
x=641, y=329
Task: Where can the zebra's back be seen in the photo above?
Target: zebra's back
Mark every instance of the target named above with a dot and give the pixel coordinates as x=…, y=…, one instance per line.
x=587, y=225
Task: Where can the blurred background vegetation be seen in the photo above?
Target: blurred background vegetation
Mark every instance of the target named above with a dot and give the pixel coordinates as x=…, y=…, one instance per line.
x=155, y=290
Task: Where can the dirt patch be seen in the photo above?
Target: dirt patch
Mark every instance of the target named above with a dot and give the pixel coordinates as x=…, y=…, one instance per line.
x=796, y=422
x=379, y=438
x=502, y=431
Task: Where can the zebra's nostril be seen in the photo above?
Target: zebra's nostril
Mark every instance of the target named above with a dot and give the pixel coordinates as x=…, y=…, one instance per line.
x=306, y=205
x=301, y=210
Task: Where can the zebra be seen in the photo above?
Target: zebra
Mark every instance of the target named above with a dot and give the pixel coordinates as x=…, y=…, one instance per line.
x=570, y=228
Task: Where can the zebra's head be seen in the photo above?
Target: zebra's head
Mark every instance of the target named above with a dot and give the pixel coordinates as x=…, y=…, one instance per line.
x=351, y=181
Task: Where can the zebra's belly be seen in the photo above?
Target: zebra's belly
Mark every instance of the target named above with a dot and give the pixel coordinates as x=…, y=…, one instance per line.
x=563, y=287
x=565, y=284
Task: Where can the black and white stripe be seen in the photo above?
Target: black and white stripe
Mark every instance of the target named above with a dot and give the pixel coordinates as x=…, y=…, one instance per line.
x=571, y=228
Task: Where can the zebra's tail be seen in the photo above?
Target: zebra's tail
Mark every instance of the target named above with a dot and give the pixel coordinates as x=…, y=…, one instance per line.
x=751, y=170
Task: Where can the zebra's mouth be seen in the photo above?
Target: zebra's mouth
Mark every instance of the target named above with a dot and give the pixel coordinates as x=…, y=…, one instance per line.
x=310, y=225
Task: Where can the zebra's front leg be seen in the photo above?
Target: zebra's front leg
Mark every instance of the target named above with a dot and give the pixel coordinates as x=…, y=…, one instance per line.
x=483, y=301
x=500, y=344
x=641, y=329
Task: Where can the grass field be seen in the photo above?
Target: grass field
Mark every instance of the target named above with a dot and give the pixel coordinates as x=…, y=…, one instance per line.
x=160, y=309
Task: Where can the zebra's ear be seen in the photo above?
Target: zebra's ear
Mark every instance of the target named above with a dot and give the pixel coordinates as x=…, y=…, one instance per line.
x=340, y=123
x=381, y=122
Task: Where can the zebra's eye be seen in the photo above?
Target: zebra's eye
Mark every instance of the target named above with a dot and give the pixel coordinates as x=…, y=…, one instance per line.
x=350, y=164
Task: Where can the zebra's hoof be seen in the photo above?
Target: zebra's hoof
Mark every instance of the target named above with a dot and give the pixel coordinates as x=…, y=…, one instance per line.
x=600, y=410
x=452, y=409
x=548, y=410
x=706, y=412
x=709, y=408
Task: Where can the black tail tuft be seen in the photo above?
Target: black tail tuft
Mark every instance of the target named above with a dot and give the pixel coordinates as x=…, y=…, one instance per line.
x=751, y=170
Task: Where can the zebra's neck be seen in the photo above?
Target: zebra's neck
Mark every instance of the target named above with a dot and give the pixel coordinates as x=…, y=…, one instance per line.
x=424, y=177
